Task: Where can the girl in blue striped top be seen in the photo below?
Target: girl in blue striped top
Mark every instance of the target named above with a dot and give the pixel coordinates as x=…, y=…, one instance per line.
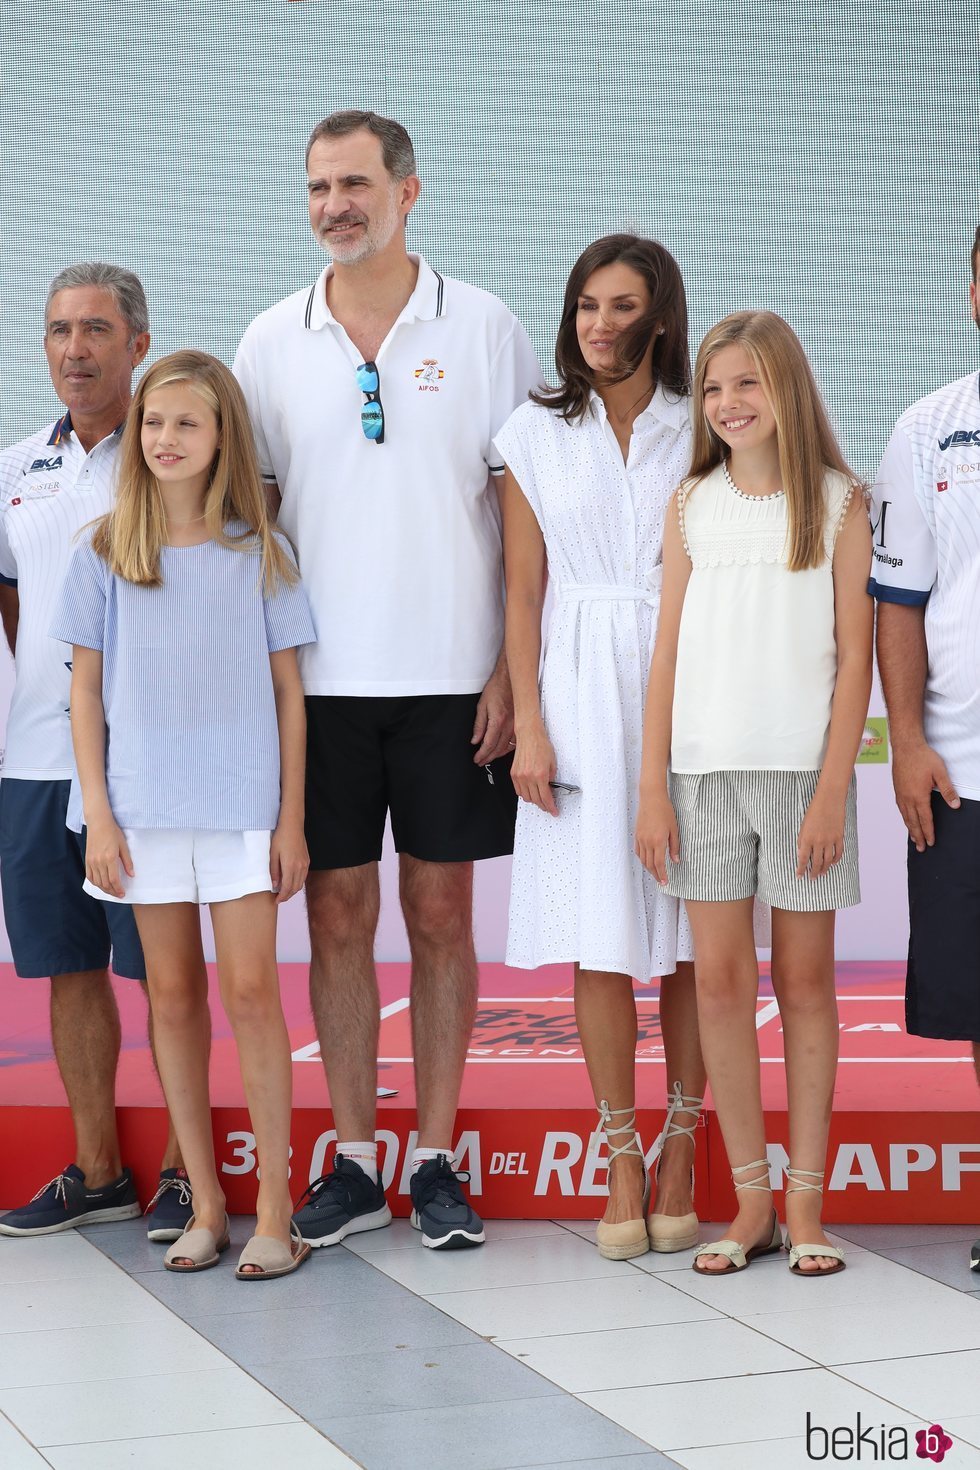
x=185, y=610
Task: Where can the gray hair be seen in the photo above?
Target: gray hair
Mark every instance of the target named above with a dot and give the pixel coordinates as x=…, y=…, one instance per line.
x=397, y=149
x=124, y=286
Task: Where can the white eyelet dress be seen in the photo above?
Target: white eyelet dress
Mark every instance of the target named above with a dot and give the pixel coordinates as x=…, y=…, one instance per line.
x=578, y=891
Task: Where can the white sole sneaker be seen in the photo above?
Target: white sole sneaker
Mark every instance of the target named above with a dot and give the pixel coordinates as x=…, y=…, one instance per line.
x=376, y=1220
x=456, y=1239
x=92, y=1217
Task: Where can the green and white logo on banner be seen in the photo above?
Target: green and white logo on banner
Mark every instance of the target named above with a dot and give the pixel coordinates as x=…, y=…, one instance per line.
x=873, y=750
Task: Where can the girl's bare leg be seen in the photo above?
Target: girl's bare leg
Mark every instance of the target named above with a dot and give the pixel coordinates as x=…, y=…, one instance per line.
x=245, y=946
x=605, y=1014
x=684, y=1064
x=177, y=980
x=727, y=989
x=803, y=979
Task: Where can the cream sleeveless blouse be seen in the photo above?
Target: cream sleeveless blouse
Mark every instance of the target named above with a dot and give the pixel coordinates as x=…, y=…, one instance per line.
x=756, y=655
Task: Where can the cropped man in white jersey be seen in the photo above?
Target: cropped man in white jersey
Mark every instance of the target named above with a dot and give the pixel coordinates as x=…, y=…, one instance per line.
x=51, y=484
x=926, y=577
x=375, y=395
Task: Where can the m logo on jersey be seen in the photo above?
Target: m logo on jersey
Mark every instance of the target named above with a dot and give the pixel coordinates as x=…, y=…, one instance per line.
x=961, y=436
x=46, y=464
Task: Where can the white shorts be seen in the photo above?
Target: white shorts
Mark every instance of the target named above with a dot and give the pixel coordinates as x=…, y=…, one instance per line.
x=189, y=865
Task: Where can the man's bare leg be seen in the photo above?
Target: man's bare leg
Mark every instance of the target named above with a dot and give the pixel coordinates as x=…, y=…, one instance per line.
x=172, y=1157
x=437, y=902
x=85, y=1033
x=975, y=1253
x=343, y=906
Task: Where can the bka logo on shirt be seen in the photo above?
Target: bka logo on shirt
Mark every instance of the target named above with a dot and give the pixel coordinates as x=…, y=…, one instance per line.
x=429, y=375
x=46, y=464
x=960, y=436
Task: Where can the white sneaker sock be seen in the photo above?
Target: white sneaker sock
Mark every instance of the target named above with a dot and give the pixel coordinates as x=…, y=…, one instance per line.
x=422, y=1155
x=364, y=1154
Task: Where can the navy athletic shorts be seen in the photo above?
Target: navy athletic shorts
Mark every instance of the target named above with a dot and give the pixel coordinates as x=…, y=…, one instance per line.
x=942, y=989
x=53, y=926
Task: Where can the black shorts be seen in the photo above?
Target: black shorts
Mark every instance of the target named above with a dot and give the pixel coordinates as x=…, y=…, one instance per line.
x=942, y=991
x=410, y=755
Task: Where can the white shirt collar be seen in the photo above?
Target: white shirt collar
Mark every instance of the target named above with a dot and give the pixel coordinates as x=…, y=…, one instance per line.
x=663, y=408
x=426, y=302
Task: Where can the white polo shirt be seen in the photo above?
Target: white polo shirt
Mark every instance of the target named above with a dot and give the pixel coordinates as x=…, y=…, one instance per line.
x=927, y=552
x=399, y=543
x=49, y=489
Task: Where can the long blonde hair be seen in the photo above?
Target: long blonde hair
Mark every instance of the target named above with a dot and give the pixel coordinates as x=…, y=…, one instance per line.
x=131, y=536
x=807, y=443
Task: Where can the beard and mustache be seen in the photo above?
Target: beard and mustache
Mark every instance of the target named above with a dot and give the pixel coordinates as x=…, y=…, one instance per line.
x=377, y=235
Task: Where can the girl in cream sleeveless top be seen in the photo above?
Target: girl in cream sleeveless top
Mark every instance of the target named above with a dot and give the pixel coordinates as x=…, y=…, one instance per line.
x=756, y=704
x=756, y=656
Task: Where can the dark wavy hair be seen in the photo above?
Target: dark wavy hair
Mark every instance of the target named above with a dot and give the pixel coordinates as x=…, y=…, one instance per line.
x=668, y=309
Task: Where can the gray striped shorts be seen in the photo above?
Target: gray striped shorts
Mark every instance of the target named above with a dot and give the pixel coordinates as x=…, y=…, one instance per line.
x=738, y=833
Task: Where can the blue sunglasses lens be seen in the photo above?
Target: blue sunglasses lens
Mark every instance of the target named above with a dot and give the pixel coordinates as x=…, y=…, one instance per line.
x=372, y=420
x=367, y=378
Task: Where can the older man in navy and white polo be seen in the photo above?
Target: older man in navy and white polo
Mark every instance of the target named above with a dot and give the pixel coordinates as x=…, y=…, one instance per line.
x=52, y=483
x=926, y=578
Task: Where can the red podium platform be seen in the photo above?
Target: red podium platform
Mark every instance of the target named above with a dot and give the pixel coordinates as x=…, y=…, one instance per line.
x=905, y=1141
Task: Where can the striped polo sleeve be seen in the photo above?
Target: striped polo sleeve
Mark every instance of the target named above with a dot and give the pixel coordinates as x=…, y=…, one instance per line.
x=81, y=610
x=288, y=621
x=904, y=542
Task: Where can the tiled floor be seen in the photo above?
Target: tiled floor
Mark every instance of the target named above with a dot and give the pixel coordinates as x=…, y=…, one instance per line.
x=530, y=1352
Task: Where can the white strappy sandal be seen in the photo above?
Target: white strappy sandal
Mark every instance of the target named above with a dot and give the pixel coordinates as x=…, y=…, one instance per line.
x=738, y=1256
x=675, y=1232
x=628, y=1238
x=797, y=1253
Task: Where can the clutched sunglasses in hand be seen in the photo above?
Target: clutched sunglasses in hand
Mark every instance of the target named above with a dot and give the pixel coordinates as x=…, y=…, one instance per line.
x=372, y=412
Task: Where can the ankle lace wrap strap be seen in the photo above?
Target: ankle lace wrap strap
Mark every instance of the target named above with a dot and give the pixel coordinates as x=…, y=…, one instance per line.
x=678, y=1102
x=762, y=1183
x=606, y=1115
x=797, y=1183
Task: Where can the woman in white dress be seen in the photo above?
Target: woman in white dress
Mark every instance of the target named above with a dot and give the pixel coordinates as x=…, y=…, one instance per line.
x=590, y=467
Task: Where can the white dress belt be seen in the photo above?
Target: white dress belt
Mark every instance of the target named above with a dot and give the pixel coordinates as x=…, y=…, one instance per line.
x=612, y=591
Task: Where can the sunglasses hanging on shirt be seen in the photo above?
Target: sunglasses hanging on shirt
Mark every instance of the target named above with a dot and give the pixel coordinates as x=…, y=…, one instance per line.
x=372, y=412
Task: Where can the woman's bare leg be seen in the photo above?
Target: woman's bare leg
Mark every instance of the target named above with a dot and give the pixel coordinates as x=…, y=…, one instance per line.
x=177, y=980
x=684, y=1064
x=605, y=1014
x=803, y=980
x=245, y=945
x=727, y=988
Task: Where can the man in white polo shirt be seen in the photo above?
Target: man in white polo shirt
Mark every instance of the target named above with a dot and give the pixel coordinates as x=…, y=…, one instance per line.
x=926, y=577
x=51, y=484
x=375, y=396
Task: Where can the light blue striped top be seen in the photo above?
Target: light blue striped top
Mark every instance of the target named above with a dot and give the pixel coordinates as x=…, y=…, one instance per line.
x=192, y=735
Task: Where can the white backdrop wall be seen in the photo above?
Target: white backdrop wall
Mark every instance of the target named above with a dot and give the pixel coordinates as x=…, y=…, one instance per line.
x=799, y=156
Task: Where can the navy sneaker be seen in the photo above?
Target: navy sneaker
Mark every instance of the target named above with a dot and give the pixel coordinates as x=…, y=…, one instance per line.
x=441, y=1210
x=341, y=1203
x=171, y=1206
x=67, y=1202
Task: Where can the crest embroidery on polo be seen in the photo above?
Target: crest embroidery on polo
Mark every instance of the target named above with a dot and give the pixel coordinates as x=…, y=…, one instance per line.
x=429, y=375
